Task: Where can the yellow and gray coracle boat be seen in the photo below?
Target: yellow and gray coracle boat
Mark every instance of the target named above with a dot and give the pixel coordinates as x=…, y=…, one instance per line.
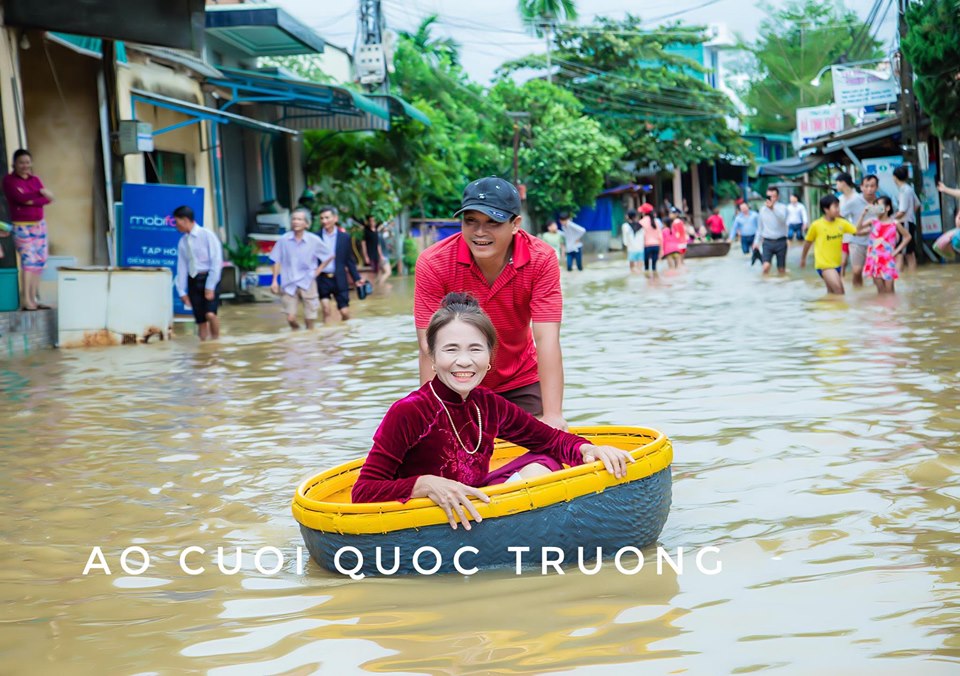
x=577, y=507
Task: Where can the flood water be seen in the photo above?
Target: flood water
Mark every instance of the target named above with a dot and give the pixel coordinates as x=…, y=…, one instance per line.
x=816, y=445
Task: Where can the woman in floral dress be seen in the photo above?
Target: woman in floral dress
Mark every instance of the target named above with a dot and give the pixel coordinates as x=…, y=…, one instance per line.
x=881, y=263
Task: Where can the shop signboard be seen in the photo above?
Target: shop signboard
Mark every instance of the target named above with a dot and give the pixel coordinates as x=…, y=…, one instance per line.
x=930, y=216
x=818, y=121
x=859, y=87
x=148, y=237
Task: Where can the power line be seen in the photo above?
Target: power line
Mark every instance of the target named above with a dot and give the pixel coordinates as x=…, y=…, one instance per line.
x=632, y=104
x=681, y=12
x=604, y=73
x=645, y=99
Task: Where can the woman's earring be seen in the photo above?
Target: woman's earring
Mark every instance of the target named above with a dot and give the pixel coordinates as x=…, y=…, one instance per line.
x=433, y=367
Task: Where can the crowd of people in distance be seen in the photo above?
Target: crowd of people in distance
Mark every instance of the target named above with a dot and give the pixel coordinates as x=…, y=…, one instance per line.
x=872, y=235
x=310, y=271
x=867, y=233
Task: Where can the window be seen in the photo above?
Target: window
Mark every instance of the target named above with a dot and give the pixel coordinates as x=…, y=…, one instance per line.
x=166, y=167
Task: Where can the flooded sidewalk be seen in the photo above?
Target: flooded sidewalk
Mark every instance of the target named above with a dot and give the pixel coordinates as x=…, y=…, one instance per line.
x=817, y=445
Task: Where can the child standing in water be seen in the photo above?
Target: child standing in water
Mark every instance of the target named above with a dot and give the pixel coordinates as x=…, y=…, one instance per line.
x=632, y=234
x=554, y=238
x=827, y=232
x=674, y=243
x=882, y=251
x=652, y=238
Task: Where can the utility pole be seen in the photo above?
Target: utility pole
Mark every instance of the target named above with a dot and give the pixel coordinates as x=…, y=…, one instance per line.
x=549, y=35
x=910, y=132
x=517, y=117
x=370, y=57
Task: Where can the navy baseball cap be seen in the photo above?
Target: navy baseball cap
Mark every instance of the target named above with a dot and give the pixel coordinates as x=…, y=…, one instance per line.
x=495, y=197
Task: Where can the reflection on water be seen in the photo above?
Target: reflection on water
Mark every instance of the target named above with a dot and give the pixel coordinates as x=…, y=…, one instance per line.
x=816, y=444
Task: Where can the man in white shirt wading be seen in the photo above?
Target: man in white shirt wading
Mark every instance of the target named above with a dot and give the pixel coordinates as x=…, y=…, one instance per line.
x=199, y=266
x=797, y=220
x=907, y=206
x=573, y=235
x=772, y=235
x=852, y=206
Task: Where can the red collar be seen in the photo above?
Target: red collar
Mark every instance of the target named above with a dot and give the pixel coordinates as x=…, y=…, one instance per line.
x=445, y=393
x=521, y=250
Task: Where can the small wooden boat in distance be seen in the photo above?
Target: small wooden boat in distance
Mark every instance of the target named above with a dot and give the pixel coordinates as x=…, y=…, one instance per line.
x=707, y=249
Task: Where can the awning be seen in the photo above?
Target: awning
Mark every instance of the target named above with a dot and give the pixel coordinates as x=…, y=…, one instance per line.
x=792, y=166
x=856, y=136
x=400, y=108
x=261, y=30
x=305, y=105
x=197, y=113
x=177, y=57
x=81, y=44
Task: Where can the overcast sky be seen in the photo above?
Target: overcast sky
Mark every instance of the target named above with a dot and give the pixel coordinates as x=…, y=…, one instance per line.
x=490, y=32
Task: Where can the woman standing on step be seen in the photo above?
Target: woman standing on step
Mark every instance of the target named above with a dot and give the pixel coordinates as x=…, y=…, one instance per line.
x=26, y=197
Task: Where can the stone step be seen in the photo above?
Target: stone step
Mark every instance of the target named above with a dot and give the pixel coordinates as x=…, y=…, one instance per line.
x=26, y=331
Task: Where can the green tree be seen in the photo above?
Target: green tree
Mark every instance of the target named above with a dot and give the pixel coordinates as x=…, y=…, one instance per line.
x=364, y=191
x=546, y=12
x=794, y=43
x=636, y=84
x=304, y=65
x=932, y=47
x=542, y=17
x=435, y=49
x=429, y=165
x=567, y=155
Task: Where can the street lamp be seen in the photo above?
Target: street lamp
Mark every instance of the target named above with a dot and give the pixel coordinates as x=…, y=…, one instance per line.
x=815, y=82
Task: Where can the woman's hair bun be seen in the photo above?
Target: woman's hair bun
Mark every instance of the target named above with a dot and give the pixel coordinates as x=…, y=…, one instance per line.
x=455, y=298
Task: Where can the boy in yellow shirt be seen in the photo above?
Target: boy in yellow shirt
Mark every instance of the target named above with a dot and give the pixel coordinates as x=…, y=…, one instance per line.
x=826, y=236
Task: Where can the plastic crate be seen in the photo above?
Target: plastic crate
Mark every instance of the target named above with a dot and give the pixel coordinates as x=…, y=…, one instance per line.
x=9, y=290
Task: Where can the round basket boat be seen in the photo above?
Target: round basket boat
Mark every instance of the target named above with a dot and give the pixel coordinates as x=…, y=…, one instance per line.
x=576, y=510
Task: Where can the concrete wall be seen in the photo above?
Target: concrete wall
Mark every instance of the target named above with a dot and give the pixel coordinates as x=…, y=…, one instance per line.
x=192, y=140
x=62, y=131
x=10, y=93
x=26, y=332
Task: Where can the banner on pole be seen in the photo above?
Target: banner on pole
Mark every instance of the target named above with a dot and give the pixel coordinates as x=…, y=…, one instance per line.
x=859, y=87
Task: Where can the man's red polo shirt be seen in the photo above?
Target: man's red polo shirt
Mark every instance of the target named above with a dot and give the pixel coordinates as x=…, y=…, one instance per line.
x=528, y=290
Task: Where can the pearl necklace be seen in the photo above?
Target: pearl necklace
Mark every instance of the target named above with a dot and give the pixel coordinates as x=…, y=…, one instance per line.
x=454, y=427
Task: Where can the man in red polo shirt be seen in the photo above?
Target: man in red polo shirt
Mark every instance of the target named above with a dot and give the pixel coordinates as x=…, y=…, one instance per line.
x=516, y=278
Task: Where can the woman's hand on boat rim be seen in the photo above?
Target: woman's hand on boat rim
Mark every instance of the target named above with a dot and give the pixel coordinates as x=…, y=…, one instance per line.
x=614, y=459
x=451, y=496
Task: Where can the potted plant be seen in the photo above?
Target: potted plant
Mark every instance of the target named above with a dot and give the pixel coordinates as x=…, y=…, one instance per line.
x=245, y=256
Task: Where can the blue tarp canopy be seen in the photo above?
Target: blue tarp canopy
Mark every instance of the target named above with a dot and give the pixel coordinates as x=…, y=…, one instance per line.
x=597, y=217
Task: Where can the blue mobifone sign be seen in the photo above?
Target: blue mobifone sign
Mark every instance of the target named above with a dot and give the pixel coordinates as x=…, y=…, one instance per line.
x=147, y=234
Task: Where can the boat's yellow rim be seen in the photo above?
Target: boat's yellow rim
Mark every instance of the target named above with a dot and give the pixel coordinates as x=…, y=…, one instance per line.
x=651, y=450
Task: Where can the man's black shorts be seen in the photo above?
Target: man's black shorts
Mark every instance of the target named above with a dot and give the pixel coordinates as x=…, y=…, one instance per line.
x=198, y=301
x=327, y=287
x=778, y=248
x=911, y=247
x=529, y=398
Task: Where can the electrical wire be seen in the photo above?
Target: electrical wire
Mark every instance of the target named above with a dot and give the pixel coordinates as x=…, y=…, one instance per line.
x=595, y=71
x=645, y=99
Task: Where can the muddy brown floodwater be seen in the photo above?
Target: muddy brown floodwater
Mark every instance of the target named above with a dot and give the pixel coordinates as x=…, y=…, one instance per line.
x=816, y=445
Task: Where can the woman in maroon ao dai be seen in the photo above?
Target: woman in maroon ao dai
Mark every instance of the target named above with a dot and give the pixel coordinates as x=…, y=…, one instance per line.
x=437, y=441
